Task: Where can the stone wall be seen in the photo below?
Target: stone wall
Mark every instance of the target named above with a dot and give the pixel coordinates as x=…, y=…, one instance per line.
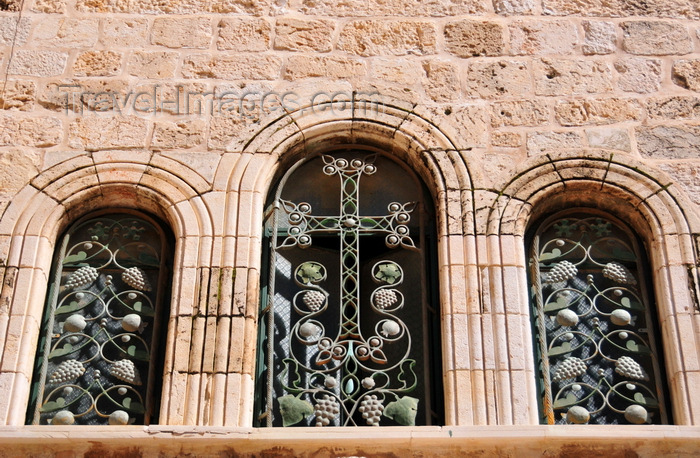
x=507, y=108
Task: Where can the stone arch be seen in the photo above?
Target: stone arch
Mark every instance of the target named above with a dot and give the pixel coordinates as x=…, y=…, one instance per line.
x=32, y=222
x=397, y=128
x=653, y=206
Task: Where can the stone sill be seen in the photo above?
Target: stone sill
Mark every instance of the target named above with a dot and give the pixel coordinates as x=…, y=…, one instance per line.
x=588, y=440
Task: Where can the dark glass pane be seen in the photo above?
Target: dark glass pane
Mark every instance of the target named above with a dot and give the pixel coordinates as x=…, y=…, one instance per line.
x=97, y=360
x=595, y=325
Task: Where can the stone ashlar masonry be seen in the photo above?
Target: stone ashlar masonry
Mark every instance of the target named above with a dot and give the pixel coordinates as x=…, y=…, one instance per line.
x=508, y=109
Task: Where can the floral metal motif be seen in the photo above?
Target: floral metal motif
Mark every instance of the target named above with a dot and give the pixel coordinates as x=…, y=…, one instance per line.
x=348, y=376
x=99, y=338
x=598, y=355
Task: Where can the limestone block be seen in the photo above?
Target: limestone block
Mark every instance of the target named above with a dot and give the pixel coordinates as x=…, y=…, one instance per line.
x=188, y=32
x=514, y=7
x=440, y=80
x=496, y=79
x=467, y=125
x=470, y=38
x=65, y=94
x=223, y=130
x=679, y=107
x=520, y=113
x=176, y=98
x=11, y=32
x=17, y=167
x=49, y=6
x=686, y=175
x=256, y=8
x=599, y=37
x=174, y=6
x=158, y=64
x=582, y=112
x=406, y=72
x=18, y=95
x=569, y=77
x=38, y=63
x=686, y=74
x=655, y=38
x=669, y=142
x=36, y=131
x=540, y=37
x=609, y=138
x=181, y=134
x=388, y=37
x=637, y=74
x=97, y=63
x=95, y=133
x=335, y=67
x=127, y=33
x=506, y=139
x=240, y=66
x=537, y=142
x=12, y=5
x=621, y=8
x=435, y=8
x=293, y=34
x=244, y=34
x=66, y=32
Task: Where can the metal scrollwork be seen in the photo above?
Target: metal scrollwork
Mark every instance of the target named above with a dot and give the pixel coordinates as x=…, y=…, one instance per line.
x=599, y=357
x=97, y=361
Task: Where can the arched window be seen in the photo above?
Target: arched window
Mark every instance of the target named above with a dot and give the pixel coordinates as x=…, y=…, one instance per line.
x=349, y=319
x=598, y=343
x=98, y=359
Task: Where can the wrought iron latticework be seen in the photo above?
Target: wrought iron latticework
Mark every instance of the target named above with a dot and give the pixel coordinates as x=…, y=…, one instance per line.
x=97, y=361
x=595, y=325
x=346, y=328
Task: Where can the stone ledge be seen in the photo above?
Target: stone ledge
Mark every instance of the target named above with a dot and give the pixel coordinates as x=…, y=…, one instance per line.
x=591, y=440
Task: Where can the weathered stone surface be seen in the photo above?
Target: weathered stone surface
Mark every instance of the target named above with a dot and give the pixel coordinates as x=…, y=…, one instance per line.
x=131, y=33
x=686, y=74
x=97, y=63
x=656, y=38
x=39, y=131
x=543, y=37
x=181, y=134
x=66, y=32
x=249, y=66
x=12, y=5
x=637, y=74
x=496, y=79
x=440, y=80
x=190, y=32
x=244, y=34
x=469, y=38
x=10, y=31
x=506, y=139
x=38, y=63
x=49, y=6
x=609, y=138
x=17, y=167
x=18, y=95
x=178, y=98
x=513, y=7
x=346, y=8
x=153, y=64
x=327, y=66
x=388, y=37
x=599, y=38
x=679, y=107
x=468, y=124
x=582, y=112
x=405, y=72
x=94, y=133
x=65, y=95
x=669, y=142
x=538, y=142
x=258, y=7
x=223, y=130
x=621, y=8
x=686, y=175
x=520, y=113
x=293, y=34
x=569, y=77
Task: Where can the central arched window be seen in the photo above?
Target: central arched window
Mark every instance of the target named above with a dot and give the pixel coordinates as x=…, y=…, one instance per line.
x=349, y=318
